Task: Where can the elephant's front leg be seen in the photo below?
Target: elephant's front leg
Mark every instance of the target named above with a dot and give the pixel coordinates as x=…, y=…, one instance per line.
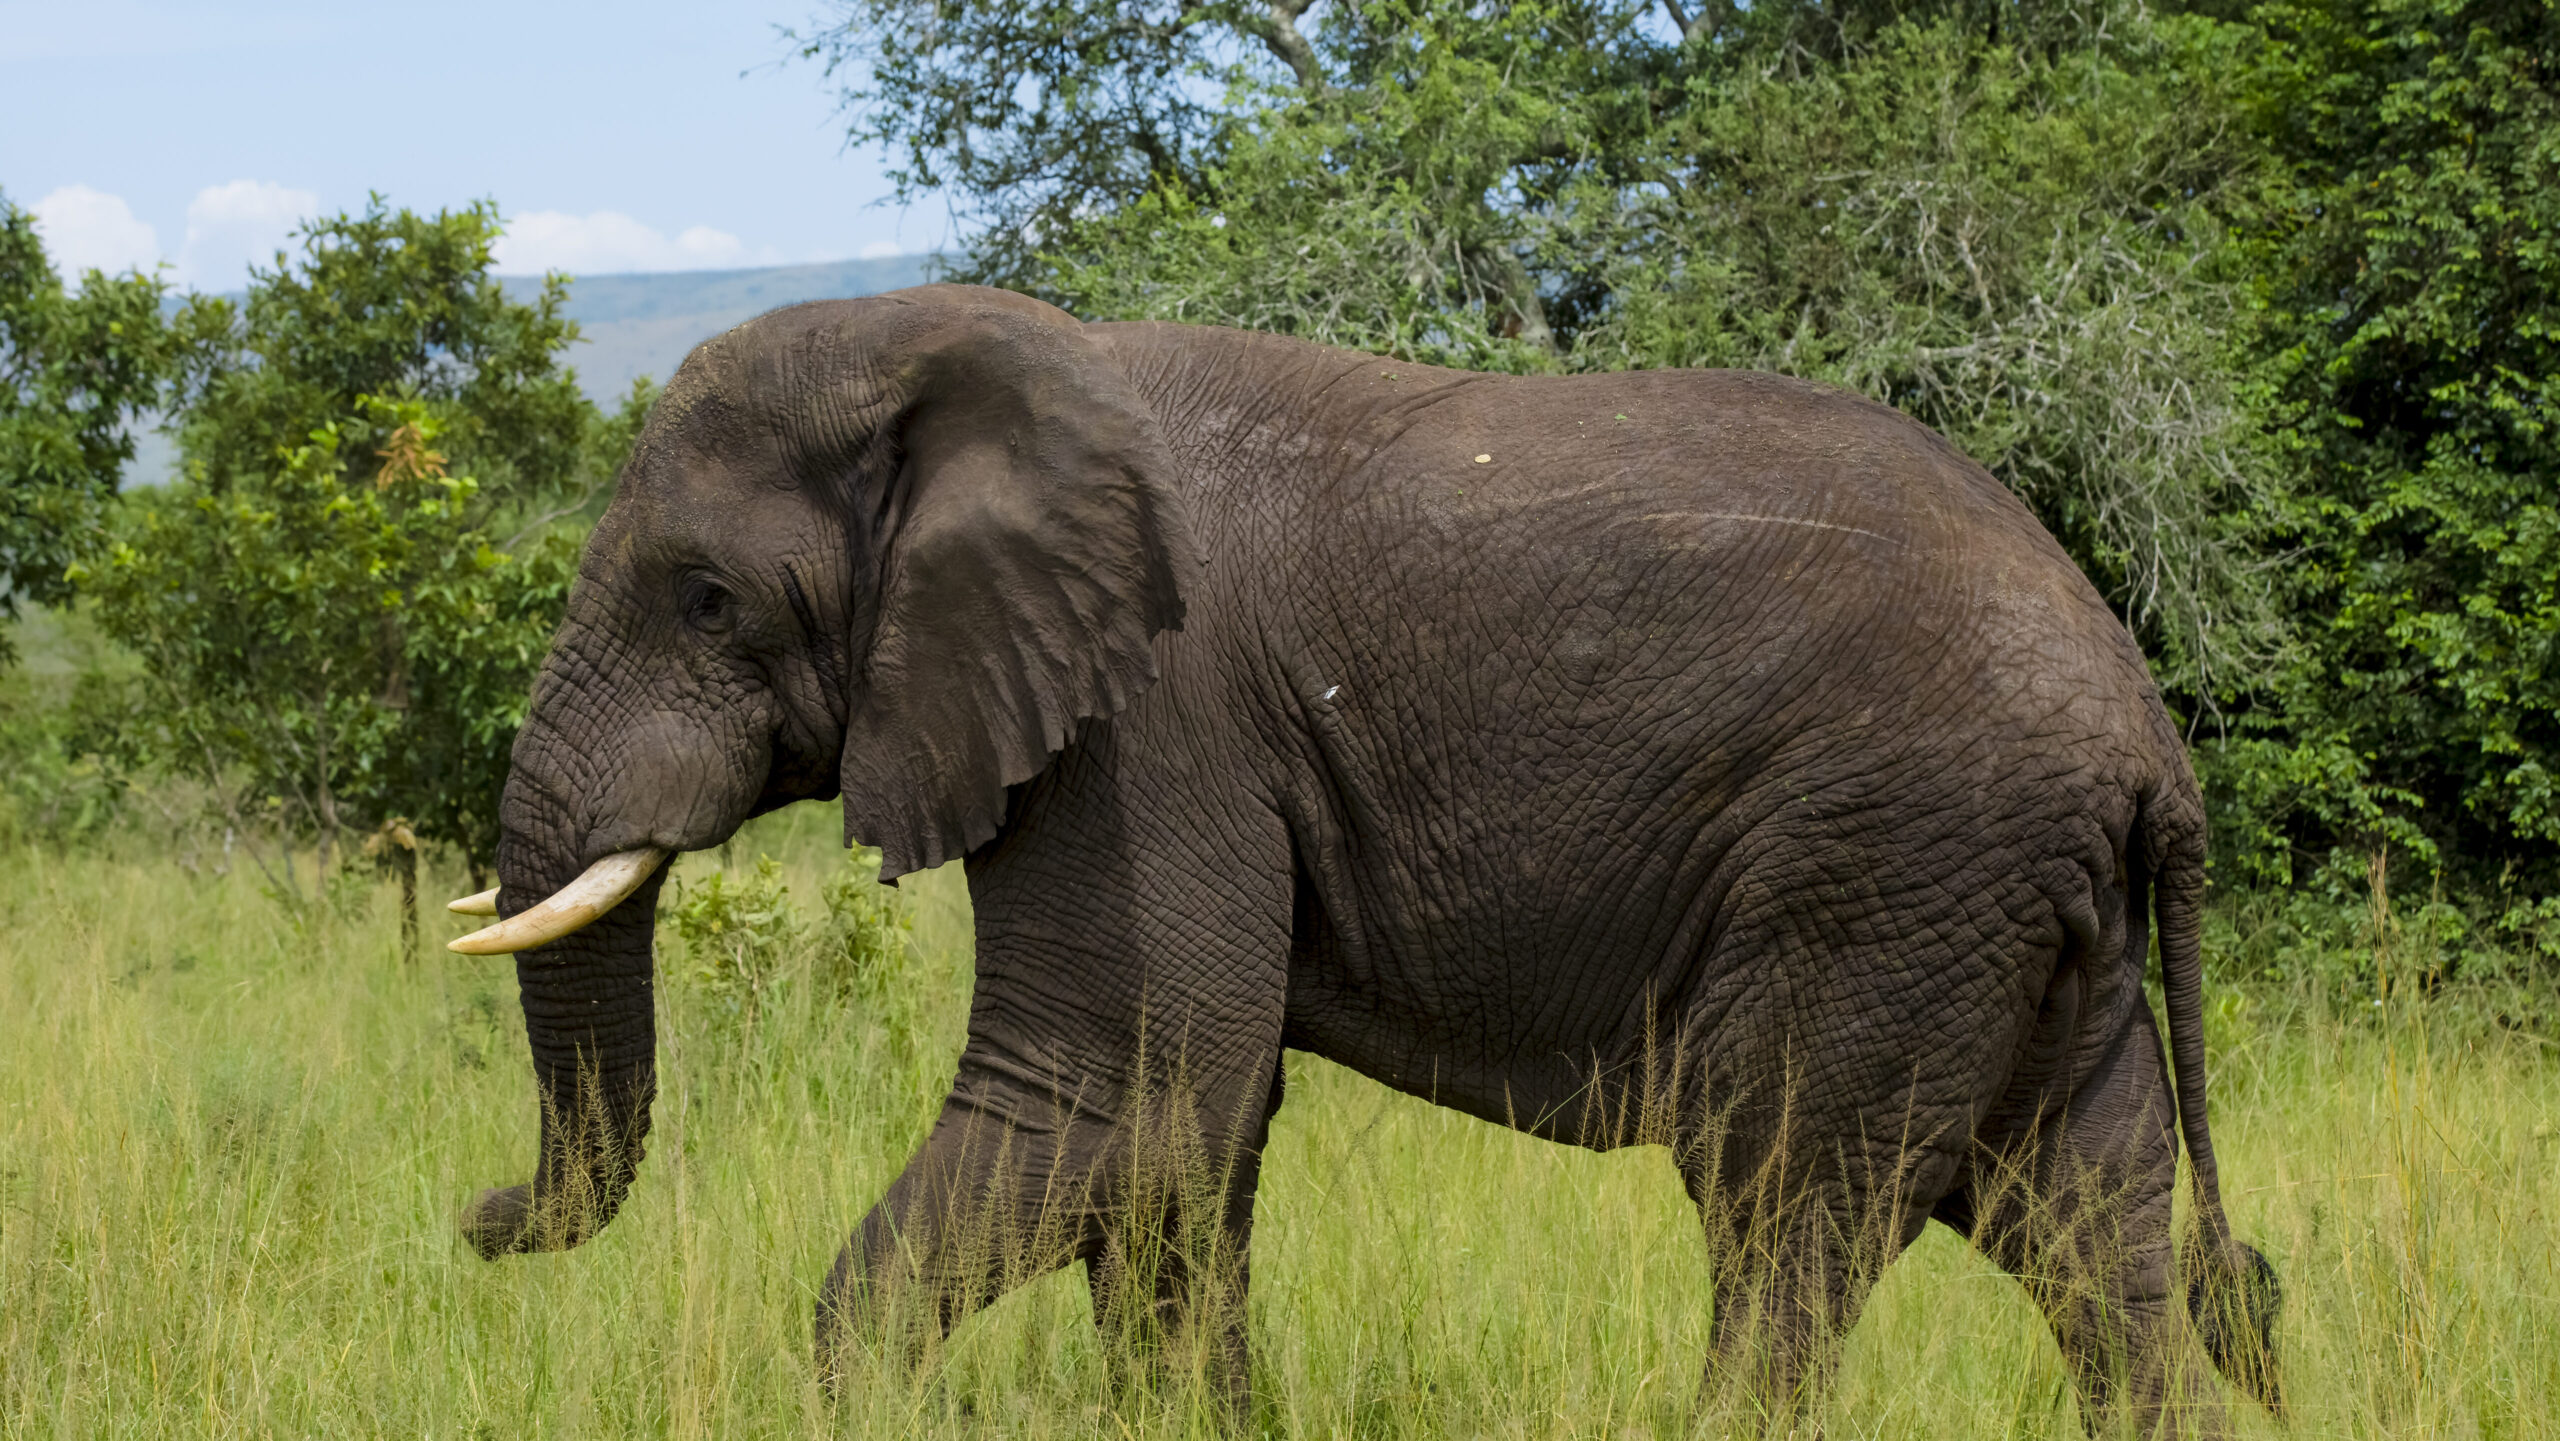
x=1133, y=933
x=1154, y=1191
x=1174, y=1263
x=998, y=1195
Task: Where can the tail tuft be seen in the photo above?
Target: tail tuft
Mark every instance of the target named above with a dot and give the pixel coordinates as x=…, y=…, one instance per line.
x=2234, y=1305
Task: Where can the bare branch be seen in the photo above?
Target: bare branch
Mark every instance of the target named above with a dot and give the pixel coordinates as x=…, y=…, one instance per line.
x=1712, y=16
x=561, y=512
x=1513, y=292
x=1278, y=31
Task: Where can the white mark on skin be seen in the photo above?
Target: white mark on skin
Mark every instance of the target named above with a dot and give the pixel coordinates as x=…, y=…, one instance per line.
x=1793, y=520
x=1330, y=692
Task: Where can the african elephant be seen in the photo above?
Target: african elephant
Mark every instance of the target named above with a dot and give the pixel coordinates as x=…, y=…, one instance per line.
x=1539, y=746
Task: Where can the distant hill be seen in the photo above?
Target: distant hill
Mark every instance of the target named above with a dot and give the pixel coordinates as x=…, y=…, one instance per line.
x=635, y=325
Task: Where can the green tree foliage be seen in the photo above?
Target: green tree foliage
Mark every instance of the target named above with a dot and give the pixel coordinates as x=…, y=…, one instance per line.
x=341, y=605
x=389, y=303
x=1031, y=113
x=285, y=622
x=1445, y=199
x=2411, y=336
x=56, y=788
x=76, y=370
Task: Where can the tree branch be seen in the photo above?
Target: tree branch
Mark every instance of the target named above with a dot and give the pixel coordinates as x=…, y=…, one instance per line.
x=1507, y=283
x=556, y=513
x=1278, y=31
x=1712, y=16
x=240, y=825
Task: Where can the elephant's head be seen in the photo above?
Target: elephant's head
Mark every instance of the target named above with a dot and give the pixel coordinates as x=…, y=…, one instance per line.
x=896, y=548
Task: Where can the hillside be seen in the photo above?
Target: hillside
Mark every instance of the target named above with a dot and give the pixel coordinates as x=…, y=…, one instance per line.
x=635, y=325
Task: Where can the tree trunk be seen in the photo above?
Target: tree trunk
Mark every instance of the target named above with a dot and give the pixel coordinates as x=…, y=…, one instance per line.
x=407, y=861
x=1521, y=313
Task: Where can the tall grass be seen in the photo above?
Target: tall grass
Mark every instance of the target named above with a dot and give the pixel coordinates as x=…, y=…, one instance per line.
x=233, y=1140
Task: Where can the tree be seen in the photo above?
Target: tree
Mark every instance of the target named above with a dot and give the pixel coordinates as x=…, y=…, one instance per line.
x=1039, y=119
x=390, y=303
x=77, y=371
x=2410, y=268
x=267, y=616
x=340, y=623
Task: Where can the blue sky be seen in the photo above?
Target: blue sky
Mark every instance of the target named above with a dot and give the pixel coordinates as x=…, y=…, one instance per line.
x=642, y=135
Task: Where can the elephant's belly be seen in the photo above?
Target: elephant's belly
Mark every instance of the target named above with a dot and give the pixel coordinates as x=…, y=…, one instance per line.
x=1531, y=1018
x=1881, y=960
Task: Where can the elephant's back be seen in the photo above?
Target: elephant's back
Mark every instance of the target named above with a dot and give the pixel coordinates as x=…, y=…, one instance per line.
x=1704, y=524
x=1761, y=685
x=1740, y=548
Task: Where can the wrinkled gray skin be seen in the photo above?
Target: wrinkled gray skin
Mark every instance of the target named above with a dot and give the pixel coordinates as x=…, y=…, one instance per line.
x=1719, y=728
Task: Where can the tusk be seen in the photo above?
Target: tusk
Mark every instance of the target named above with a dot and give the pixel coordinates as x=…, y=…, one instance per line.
x=568, y=908
x=483, y=904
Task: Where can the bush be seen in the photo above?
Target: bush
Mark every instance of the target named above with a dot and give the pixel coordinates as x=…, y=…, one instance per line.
x=2410, y=334
x=745, y=941
x=738, y=934
x=860, y=951
x=59, y=782
x=2354, y=934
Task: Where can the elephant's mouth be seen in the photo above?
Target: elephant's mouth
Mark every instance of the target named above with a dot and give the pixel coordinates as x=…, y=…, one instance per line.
x=566, y=910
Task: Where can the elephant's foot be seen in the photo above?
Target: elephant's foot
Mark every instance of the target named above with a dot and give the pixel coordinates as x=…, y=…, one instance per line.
x=1770, y=1363
x=1173, y=1328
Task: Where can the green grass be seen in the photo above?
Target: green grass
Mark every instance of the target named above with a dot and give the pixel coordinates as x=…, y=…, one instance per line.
x=231, y=1148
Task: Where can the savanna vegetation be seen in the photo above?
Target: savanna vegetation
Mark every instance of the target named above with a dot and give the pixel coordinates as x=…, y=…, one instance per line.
x=237, y=1130
x=234, y=1133
x=2255, y=304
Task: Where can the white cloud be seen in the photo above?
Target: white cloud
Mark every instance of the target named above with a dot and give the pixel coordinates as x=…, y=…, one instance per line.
x=879, y=250
x=87, y=229
x=609, y=241
x=231, y=227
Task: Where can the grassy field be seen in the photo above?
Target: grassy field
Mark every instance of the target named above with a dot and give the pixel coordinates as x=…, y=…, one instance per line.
x=232, y=1144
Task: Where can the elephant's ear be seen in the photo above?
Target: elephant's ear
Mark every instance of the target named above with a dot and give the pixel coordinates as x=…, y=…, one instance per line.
x=1029, y=542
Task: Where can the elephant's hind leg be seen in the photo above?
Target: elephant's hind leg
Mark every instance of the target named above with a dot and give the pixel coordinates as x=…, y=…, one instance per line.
x=1798, y=1234
x=2080, y=1213
x=1783, y=1301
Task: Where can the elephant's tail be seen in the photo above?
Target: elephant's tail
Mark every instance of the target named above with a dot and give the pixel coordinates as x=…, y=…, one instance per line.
x=2232, y=1290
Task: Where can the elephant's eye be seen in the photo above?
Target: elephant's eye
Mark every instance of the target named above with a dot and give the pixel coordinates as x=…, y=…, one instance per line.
x=708, y=607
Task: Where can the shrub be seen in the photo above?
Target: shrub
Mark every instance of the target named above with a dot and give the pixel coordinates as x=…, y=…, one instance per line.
x=746, y=943
x=738, y=935
x=859, y=952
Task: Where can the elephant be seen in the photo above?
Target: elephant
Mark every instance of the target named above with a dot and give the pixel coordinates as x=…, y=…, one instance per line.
x=1708, y=746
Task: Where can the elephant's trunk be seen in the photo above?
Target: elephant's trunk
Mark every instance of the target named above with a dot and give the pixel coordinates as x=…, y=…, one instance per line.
x=590, y=1014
